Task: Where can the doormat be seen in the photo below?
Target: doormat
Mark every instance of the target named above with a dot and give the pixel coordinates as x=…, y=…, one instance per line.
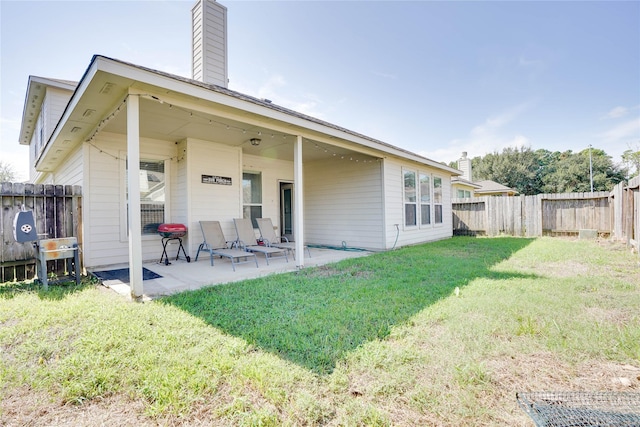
x=122, y=274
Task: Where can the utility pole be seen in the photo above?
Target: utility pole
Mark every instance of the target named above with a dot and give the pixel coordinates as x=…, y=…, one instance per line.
x=590, y=169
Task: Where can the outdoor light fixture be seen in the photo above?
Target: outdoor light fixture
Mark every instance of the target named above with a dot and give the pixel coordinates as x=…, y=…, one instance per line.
x=255, y=141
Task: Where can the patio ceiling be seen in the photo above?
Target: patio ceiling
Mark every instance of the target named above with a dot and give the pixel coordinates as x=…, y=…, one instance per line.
x=166, y=122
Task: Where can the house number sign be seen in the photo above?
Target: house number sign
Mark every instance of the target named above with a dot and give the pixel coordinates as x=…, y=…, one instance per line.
x=213, y=179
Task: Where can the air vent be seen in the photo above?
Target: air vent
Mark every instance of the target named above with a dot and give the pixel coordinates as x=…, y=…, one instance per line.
x=75, y=129
x=107, y=88
x=88, y=113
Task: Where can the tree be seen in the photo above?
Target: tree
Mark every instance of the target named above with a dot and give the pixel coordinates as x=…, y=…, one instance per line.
x=514, y=167
x=7, y=172
x=542, y=171
x=632, y=159
x=569, y=172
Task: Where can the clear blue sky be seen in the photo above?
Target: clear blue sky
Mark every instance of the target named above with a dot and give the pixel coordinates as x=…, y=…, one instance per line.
x=436, y=78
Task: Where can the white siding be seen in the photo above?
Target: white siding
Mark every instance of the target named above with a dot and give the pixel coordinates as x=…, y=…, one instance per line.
x=224, y=202
x=212, y=202
x=53, y=106
x=343, y=203
x=70, y=170
x=104, y=203
x=273, y=172
x=394, y=206
x=179, y=187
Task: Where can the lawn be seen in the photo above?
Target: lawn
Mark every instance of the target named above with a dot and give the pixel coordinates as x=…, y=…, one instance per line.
x=436, y=334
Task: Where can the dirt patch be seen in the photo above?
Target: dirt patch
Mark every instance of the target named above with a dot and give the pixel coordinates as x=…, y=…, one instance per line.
x=545, y=372
x=25, y=407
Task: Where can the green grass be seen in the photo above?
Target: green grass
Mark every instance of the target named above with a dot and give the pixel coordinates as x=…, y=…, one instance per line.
x=315, y=317
x=379, y=340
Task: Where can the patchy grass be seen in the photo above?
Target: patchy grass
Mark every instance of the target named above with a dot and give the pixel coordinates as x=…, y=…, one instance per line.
x=380, y=340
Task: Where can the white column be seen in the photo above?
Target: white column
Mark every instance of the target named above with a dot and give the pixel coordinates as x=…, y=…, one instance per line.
x=133, y=186
x=298, y=218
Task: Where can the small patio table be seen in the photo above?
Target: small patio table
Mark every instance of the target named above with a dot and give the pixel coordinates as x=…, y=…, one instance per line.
x=577, y=409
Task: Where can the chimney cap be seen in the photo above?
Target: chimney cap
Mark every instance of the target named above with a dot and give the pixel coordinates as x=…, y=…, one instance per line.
x=464, y=154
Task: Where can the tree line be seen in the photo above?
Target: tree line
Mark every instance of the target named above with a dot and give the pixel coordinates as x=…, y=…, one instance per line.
x=543, y=171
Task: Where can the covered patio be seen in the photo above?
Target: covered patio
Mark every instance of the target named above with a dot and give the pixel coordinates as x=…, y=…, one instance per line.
x=180, y=275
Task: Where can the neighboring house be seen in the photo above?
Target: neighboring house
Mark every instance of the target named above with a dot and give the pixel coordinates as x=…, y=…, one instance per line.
x=492, y=188
x=464, y=186
x=149, y=147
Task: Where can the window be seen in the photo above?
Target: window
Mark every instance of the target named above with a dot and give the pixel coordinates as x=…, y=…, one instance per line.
x=252, y=196
x=152, y=200
x=464, y=193
x=425, y=199
x=152, y=195
x=437, y=199
x=422, y=199
x=410, y=214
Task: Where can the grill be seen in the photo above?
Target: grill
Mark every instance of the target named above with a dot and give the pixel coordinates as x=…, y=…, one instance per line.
x=170, y=232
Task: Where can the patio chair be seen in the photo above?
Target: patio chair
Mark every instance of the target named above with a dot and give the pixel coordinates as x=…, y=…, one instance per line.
x=271, y=239
x=247, y=240
x=215, y=243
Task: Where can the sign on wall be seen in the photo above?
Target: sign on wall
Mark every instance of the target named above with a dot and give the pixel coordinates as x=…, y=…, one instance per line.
x=214, y=179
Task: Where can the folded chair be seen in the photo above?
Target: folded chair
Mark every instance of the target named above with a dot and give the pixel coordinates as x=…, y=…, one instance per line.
x=215, y=243
x=271, y=239
x=247, y=240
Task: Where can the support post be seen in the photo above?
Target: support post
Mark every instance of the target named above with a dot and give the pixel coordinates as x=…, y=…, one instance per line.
x=133, y=196
x=298, y=220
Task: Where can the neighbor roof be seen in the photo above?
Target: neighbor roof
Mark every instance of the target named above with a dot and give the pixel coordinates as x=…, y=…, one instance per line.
x=488, y=186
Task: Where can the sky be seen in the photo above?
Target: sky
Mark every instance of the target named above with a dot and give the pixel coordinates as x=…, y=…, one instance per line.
x=433, y=77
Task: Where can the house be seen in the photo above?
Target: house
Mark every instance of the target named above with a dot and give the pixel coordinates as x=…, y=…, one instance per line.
x=492, y=188
x=464, y=186
x=150, y=147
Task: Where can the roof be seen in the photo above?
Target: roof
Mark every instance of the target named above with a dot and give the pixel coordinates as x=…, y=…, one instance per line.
x=488, y=186
x=268, y=104
x=135, y=77
x=461, y=181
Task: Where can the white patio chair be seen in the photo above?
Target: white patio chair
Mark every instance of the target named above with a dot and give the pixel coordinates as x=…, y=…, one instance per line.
x=215, y=243
x=247, y=240
x=268, y=234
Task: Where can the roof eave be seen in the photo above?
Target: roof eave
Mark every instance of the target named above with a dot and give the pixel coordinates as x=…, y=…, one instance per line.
x=26, y=134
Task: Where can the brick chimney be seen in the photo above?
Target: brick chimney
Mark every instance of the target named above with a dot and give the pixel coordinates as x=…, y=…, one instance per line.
x=209, y=42
x=464, y=164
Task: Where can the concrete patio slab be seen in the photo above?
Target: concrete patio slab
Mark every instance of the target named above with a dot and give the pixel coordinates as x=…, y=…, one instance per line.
x=180, y=275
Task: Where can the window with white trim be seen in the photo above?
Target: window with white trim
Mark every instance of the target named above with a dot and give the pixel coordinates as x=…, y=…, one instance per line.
x=422, y=199
x=437, y=199
x=464, y=193
x=410, y=199
x=252, y=196
x=152, y=195
x=425, y=199
x=152, y=190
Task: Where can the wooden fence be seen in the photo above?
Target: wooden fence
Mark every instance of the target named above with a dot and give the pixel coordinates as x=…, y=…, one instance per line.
x=58, y=213
x=531, y=216
x=626, y=212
